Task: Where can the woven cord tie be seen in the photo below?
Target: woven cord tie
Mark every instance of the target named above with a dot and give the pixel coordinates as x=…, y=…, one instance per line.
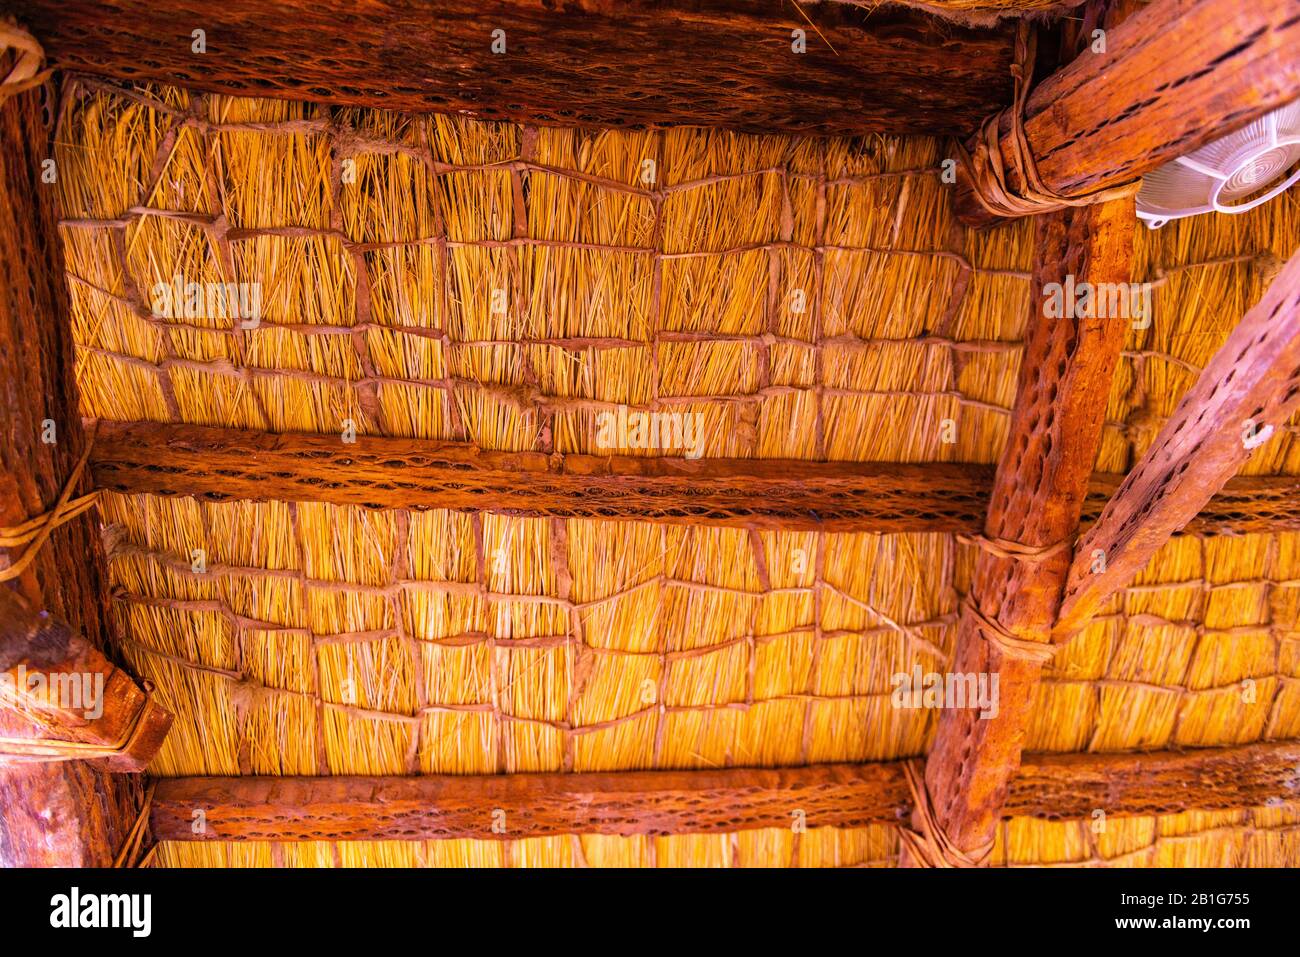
x=988, y=174
x=26, y=72
x=930, y=846
x=993, y=631
x=48, y=750
x=1007, y=644
x=36, y=532
x=133, y=852
x=33, y=534
x=1014, y=551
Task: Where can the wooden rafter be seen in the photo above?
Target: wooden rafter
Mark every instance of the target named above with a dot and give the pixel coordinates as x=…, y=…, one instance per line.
x=404, y=473
x=1038, y=494
x=640, y=63
x=67, y=813
x=1249, y=389
x=1174, y=76
x=1054, y=787
x=65, y=690
x=225, y=464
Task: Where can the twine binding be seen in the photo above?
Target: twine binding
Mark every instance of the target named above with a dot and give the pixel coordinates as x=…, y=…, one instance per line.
x=26, y=72
x=47, y=750
x=992, y=630
x=930, y=846
x=1013, y=551
x=985, y=167
x=132, y=853
x=1007, y=644
x=35, y=532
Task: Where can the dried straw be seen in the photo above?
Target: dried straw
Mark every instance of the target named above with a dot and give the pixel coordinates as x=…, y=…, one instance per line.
x=323, y=640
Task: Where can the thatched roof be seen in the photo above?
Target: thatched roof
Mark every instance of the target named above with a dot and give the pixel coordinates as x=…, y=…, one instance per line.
x=322, y=639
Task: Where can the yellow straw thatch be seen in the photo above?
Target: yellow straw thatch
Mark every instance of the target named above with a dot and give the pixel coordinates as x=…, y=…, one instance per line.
x=448, y=279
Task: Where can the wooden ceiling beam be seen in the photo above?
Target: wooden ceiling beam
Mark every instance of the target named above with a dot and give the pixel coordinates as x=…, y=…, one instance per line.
x=1247, y=391
x=414, y=473
x=588, y=63
x=67, y=813
x=1038, y=494
x=1174, y=76
x=433, y=807
x=217, y=464
x=61, y=688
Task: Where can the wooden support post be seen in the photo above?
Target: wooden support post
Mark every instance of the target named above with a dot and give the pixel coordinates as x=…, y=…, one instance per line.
x=60, y=688
x=1174, y=76
x=1038, y=494
x=434, y=807
x=637, y=63
x=1248, y=390
x=66, y=813
x=219, y=465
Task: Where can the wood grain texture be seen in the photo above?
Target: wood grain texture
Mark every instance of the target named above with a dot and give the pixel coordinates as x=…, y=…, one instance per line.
x=69, y=813
x=644, y=63
x=217, y=464
x=1175, y=75
x=1038, y=493
x=534, y=805
x=102, y=705
x=1249, y=388
x=65, y=814
x=1051, y=787
x=1058, y=787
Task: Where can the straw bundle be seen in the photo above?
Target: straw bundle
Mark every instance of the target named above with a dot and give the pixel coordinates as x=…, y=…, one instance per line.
x=415, y=633
x=435, y=277
x=1248, y=838
x=442, y=278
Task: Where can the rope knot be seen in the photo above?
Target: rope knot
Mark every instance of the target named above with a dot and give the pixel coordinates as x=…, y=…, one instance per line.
x=930, y=845
x=35, y=532
x=26, y=72
x=985, y=167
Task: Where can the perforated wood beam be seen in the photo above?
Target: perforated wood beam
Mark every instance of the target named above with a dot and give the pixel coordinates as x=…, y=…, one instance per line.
x=638, y=63
x=68, y=813
x=1037, y=499
x=1174, y=76
x=1249, y=389
x=226, y=464
x=1053, y=787
x=403, y=473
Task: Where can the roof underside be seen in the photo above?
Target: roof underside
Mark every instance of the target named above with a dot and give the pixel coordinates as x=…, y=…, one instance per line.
x=809, y=299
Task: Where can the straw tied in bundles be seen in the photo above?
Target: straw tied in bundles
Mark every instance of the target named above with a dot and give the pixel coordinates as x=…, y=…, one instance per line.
x=623, y=429
x=179, y=299
x=916, y=689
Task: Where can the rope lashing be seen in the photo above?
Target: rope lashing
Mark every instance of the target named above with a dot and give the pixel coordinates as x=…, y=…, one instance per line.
x=1008, y=644
x=133, y=853
x=993, y=631
x=46, y=750
x=1015, y=551
x=988, y=172
x=930, y=846
x=35, y=532
x=26, y=72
